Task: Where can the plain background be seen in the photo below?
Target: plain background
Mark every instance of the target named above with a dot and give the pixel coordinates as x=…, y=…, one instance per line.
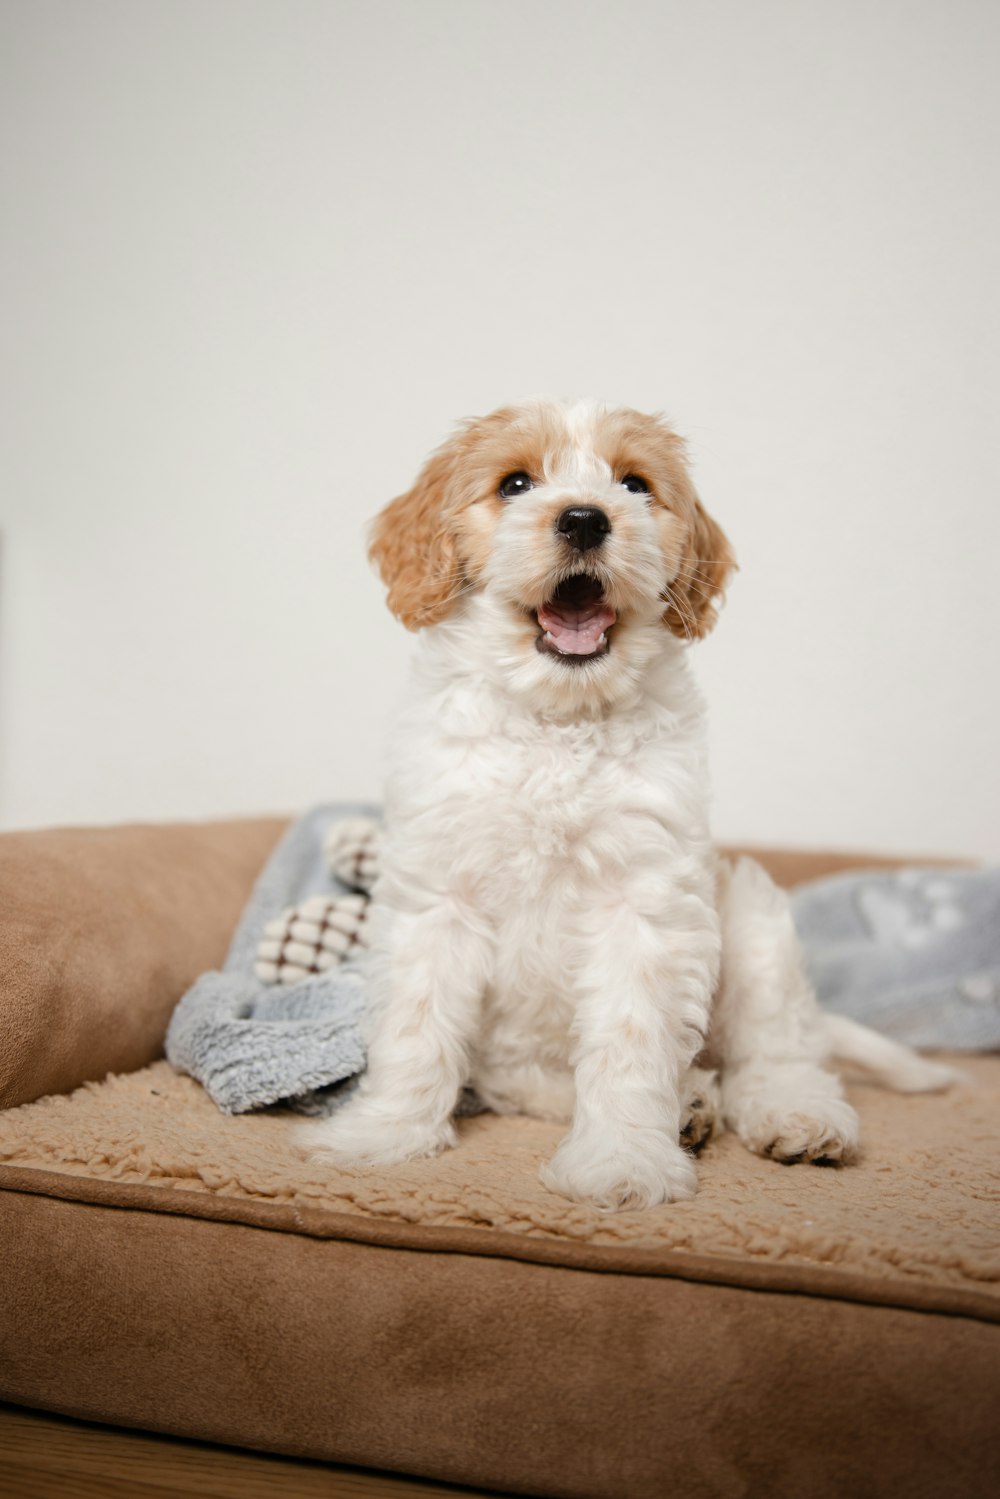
x=258, y=257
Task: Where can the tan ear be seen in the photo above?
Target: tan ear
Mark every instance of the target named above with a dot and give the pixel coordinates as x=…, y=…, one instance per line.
x=695, y=594
x=413, y=547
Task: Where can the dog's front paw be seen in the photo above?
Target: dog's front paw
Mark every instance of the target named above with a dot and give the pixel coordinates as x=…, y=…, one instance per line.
x=358, y=1135
x=621, y=1169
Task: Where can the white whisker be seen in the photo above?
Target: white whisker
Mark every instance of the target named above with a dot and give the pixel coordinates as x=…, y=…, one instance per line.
x=682, y=611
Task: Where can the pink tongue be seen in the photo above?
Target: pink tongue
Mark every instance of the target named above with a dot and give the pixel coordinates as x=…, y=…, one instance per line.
x=576, y=632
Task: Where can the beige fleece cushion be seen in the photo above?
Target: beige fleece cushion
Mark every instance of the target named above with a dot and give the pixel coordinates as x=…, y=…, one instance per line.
x=919, y=1212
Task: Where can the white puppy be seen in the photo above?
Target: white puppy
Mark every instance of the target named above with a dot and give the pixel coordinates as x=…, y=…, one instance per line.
x=552, y=925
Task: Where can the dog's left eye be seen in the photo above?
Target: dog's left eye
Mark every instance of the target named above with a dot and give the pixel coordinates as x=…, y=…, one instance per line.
x=634, y=484
x=515, y=484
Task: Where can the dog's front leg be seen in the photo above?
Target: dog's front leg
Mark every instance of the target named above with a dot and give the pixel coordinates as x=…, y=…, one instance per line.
x=644, y=999
x=428, y=973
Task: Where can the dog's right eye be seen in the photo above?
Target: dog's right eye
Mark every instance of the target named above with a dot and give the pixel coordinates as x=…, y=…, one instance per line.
x=515, y=484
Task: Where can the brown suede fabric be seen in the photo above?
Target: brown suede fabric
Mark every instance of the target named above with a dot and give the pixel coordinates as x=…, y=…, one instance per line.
x=102, y=931
x=530, y=1378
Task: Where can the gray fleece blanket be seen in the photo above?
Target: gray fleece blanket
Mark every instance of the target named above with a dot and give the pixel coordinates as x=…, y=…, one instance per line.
x=914, y=953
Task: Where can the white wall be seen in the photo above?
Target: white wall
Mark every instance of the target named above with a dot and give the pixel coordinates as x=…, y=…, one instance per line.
x=259, y=256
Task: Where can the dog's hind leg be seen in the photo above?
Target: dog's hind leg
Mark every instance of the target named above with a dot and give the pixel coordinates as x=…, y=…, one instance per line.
x=768, y=1034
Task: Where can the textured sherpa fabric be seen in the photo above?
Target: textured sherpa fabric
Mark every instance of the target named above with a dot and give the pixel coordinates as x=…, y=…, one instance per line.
x=918, y=1210
x=913, y=952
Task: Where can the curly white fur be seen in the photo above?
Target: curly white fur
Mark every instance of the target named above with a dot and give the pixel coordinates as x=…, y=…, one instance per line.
x=551, y=920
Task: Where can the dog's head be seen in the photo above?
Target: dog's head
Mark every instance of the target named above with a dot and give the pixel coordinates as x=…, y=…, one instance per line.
x=569, y=540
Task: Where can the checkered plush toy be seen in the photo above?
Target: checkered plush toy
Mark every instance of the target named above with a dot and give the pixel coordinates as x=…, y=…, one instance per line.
x=325, y=929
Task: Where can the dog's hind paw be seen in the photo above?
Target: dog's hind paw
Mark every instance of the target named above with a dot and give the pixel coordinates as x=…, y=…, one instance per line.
x=701, y=1106
x=822, y=1132
x=790, y=1111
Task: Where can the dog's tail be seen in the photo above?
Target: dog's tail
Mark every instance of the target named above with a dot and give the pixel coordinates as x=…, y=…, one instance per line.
x=888, y=1062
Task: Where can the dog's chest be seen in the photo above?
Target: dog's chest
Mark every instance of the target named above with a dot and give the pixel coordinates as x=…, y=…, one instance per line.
x=533, y=805
x=570, y=823
x=526, y=819
x=537, y=831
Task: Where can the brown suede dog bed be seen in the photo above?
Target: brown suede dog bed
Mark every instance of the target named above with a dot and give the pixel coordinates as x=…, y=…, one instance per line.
x=791, y=1331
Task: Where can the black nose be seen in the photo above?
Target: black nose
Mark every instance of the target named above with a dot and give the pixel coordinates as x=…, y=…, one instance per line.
x=584, y=526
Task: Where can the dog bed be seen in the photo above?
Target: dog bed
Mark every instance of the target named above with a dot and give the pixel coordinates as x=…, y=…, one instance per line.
x=789, y=1331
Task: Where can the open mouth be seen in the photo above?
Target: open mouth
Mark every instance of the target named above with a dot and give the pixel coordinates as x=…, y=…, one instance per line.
x=574, y=622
